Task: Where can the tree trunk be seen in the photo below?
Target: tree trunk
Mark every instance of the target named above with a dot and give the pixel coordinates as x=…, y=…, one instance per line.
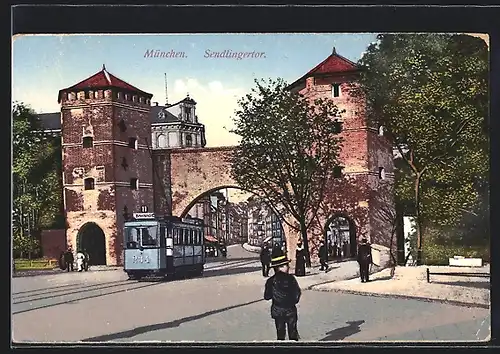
x=417, y=217
x=305, y=241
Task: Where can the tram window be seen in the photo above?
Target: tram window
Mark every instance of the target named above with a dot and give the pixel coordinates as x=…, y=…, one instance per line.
x=176, y=236
x=191, y=240
x=148, y=236
x=198, y=237
x=131, y=237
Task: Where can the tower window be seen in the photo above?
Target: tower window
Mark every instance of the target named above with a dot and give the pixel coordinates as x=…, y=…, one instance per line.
x=134, y=183
x=89, y=184
x=124, y=163
x=122, y=126
x=337, y=172
x=187, y=113
x=132, y=143
x=381, y=173
x=88, y=141
x=381, y=130
x=189, y=140
x=335, y=90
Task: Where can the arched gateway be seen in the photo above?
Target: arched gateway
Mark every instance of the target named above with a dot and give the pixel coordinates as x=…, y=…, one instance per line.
x=183, y=175
x=91, y=239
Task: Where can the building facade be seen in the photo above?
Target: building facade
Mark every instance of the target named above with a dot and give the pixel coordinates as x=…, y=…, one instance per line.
x=105, y=161
x=111, y=134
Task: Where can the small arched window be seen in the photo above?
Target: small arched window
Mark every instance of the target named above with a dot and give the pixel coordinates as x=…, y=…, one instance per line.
x=132, y=143
x=381, y=173
x=88, y=141
x=89, y=184
x=337, y=172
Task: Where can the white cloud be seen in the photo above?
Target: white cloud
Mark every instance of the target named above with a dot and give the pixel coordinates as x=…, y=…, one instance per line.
x=215, y=107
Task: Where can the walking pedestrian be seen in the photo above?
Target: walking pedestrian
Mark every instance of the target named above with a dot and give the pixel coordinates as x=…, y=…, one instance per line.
x=323, y=256
x=284, y=291
x=364, y=260
x=265, y=259
x=300, y=260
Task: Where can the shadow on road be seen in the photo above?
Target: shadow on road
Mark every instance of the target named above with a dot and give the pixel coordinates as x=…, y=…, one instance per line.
x=159, y=326
x=465, y=284
x=230, y=259
x=231, y=271
x=343, y=332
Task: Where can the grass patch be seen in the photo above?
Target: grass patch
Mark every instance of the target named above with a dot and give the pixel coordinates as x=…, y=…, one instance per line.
x=435, y=254
x=35, y=264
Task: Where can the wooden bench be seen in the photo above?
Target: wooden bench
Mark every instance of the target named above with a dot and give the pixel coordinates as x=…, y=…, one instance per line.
x=457, y=274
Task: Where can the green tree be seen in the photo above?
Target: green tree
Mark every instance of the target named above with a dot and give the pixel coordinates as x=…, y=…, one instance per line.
x=430, y=92
x=287, y=150
x=37, y=189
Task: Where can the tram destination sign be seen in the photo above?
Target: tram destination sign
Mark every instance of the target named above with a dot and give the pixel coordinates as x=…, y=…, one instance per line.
x=144, y=215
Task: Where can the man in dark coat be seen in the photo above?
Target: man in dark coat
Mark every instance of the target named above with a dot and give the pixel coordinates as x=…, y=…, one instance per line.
x=265, y=259
x=364, y=260
x=69, y=259
x=284, y=291
x=323, y=256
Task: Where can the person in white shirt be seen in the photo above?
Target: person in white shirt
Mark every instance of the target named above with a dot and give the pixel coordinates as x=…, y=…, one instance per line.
x=80, y=257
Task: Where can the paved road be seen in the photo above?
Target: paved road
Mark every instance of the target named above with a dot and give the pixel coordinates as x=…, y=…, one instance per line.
x=224, y=305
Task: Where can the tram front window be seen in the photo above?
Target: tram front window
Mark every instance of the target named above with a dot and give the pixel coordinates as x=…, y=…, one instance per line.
x=141, y=236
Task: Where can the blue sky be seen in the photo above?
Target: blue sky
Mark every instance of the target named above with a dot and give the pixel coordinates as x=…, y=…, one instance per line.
x=42, y=65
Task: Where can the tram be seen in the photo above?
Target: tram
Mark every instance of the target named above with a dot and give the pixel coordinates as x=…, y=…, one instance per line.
x=163, y=246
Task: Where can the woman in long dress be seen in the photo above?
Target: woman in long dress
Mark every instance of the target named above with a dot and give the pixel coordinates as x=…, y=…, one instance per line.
x=300, y=260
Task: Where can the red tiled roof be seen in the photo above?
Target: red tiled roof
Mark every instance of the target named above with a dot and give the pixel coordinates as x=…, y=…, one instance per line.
x=333, y=64
x=104, y=79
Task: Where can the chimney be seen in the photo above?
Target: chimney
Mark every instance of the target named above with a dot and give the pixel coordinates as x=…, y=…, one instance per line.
x=334, y=52
x=156, y=103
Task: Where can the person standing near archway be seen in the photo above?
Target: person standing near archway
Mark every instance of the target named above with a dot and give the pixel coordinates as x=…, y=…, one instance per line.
x=364, y=260
x=300, y=260
x=69, y=259
x=265, y=259
x=323, y=256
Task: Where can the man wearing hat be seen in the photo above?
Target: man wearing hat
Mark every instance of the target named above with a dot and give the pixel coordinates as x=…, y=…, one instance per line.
x=364, y=260
x=284, y=291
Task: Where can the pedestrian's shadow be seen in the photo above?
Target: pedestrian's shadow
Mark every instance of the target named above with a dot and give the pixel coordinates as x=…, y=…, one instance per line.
x=343, y=332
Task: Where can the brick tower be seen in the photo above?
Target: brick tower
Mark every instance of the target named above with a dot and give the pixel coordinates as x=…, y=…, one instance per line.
x=359, y=200
x=106, y=132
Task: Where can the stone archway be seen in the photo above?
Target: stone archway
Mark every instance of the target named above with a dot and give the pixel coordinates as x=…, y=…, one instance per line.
x=340, y=230
x=273, y=232
x=91, y=239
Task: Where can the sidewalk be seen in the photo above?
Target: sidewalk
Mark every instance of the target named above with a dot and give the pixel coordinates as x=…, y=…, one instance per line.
x=250, y=248
x=411, y=282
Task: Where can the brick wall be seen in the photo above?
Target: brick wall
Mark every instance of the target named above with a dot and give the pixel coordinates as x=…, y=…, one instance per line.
x=53, y=242
x=102, y=118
